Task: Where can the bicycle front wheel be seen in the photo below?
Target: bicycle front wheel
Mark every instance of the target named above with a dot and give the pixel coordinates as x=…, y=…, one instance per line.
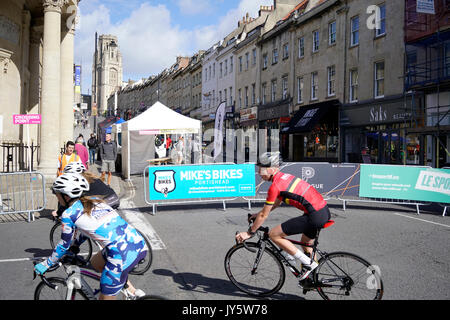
x=265, y=280
x=85, y=248
x=44, y=292
x=343, y=275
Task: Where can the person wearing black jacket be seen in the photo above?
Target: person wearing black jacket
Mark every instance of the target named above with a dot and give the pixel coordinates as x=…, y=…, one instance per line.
x=93, y=145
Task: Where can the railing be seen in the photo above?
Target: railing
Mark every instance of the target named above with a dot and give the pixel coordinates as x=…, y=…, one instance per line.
x=429, y=72
x=15, y=156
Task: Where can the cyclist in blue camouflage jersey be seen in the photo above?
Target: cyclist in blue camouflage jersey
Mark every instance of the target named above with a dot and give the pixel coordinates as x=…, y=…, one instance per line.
x=123, y=246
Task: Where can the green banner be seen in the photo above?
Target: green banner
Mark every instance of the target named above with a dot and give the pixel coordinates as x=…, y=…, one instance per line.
x=405, y=183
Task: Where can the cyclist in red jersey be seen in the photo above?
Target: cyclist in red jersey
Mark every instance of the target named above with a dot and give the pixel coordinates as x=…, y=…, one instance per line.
x=298, y=193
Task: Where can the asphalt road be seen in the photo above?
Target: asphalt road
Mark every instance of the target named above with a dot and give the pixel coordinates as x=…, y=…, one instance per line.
x=190, y=243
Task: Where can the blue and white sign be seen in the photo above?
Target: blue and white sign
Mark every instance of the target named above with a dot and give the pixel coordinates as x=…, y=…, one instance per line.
x=205, y=181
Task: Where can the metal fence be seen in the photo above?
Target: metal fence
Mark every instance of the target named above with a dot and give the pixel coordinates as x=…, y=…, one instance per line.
x=15, y=156
x=22, y=192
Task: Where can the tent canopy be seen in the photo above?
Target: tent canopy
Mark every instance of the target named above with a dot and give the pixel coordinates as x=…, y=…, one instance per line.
x=161, y=119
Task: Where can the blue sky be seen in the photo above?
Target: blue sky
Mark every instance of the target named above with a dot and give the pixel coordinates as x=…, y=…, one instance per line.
x=151, y=33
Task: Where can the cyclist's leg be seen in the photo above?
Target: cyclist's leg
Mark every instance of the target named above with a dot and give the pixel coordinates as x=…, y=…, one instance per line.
x=277, y=235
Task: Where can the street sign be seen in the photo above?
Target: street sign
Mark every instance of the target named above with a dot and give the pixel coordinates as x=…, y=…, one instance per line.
x=27, y=119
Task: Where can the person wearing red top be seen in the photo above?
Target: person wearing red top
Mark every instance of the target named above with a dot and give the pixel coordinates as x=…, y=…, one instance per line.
x=298, y=193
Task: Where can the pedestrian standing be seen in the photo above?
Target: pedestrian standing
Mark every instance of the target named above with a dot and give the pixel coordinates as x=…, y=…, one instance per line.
x=82, y=151
x=180, y=150
x=93, y=146
x=108, y=153
x=66, y=158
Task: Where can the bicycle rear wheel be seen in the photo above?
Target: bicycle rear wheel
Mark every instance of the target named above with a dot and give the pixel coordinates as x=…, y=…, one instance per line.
x=343, y=275
x=265, y=281
x=55, y=237
x=143, y=265
x=44, y=292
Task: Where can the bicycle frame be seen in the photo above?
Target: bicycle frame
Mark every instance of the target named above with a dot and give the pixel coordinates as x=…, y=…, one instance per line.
x=264, y=241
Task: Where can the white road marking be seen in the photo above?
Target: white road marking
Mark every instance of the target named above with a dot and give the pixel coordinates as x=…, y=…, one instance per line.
x=439, y=224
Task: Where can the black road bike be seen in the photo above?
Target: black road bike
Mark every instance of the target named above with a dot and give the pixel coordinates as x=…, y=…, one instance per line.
x=257, y=268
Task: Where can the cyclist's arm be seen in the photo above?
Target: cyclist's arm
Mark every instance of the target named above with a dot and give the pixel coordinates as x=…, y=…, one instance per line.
x=68, y=228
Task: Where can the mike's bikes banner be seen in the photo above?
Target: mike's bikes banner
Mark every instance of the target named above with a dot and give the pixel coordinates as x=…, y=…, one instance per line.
x=405, y=183
x=201, y=181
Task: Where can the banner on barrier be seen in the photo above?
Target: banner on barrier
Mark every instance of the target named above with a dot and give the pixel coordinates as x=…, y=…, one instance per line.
x=330, y=179
x=206, y=181
x=405, y=183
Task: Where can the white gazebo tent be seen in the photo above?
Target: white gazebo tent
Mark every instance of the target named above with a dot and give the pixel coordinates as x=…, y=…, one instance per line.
x=138, y=135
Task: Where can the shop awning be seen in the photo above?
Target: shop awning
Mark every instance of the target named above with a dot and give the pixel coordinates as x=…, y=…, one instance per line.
x=307, y=117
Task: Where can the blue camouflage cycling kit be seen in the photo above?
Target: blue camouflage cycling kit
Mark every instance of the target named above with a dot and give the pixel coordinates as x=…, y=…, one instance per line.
x=123, y=246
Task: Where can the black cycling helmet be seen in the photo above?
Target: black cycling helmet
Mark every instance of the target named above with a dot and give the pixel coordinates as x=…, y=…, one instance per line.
x=269, y=159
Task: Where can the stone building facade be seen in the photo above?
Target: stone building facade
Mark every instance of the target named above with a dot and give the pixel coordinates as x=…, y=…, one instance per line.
x=36, y=59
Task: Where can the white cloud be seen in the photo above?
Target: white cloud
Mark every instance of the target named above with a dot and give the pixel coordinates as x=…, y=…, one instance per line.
x=148, y=38
x=195, y=7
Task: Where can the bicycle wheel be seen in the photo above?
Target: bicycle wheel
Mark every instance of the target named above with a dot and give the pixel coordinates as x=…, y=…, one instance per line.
x=55, y=237
x=143, y=265
x=343, y=275
x=265, y=281
x=44, y=292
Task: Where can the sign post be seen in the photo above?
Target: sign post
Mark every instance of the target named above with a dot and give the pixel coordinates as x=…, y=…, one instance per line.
x=27, y=119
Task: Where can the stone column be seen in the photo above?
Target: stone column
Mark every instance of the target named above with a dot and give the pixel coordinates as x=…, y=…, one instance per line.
x=51, y=65
x=67, y=86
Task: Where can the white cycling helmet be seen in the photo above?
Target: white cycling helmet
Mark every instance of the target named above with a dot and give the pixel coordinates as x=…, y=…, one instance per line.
x=74, y=167
x=71, y=184
x=269, y=159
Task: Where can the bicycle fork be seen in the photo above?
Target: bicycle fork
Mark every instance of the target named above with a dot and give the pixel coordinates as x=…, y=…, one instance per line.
x=261, y=248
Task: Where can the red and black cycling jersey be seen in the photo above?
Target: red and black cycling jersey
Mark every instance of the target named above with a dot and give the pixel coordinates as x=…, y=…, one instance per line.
x=296, y=192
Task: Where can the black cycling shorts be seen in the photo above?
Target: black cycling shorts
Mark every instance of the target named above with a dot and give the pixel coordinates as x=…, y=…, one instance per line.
x=308, y=224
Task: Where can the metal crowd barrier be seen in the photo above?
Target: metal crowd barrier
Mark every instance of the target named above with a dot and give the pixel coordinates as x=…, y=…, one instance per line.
x=22, y=192
x=155, y=203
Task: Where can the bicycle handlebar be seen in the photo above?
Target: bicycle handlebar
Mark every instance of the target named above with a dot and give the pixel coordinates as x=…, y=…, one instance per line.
x=69, y=258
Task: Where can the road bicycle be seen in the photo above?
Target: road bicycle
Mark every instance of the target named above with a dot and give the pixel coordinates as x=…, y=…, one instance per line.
x=75, y=285
x=86, y=248
x=257, y=268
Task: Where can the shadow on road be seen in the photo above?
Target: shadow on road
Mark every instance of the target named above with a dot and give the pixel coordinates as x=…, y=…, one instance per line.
x=198, y=283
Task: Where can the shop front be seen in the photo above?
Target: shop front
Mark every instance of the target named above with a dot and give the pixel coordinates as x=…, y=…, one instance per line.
x=380, y=132
x=314, y=133
x=249, y=129
x=270, y=125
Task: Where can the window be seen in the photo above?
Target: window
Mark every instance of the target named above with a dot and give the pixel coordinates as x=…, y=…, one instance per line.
x=354, y=85
x=299, y=89
x=332, y=33
x=254, y=57
x=231, y=96
x=263, y=93
x=220, y=70
x=231, y=64
x=226, y=68
x=286, y=51
x=206, y=74
x=209, y=73
x=379, y=79
x=246, y=96
x=247, y=61
x=331, y=87
x=274, y=90
x=220, y=96
x=301, y=47
x=240, y=98
x=354, y=38
x=274, y=56
x=284, y=87
x=214, y=70
x=314, y=85
x=316, y=41
x=382, y=30
x=240, y=64
x=265, y=61
x=253, y=94
x=225, y=96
